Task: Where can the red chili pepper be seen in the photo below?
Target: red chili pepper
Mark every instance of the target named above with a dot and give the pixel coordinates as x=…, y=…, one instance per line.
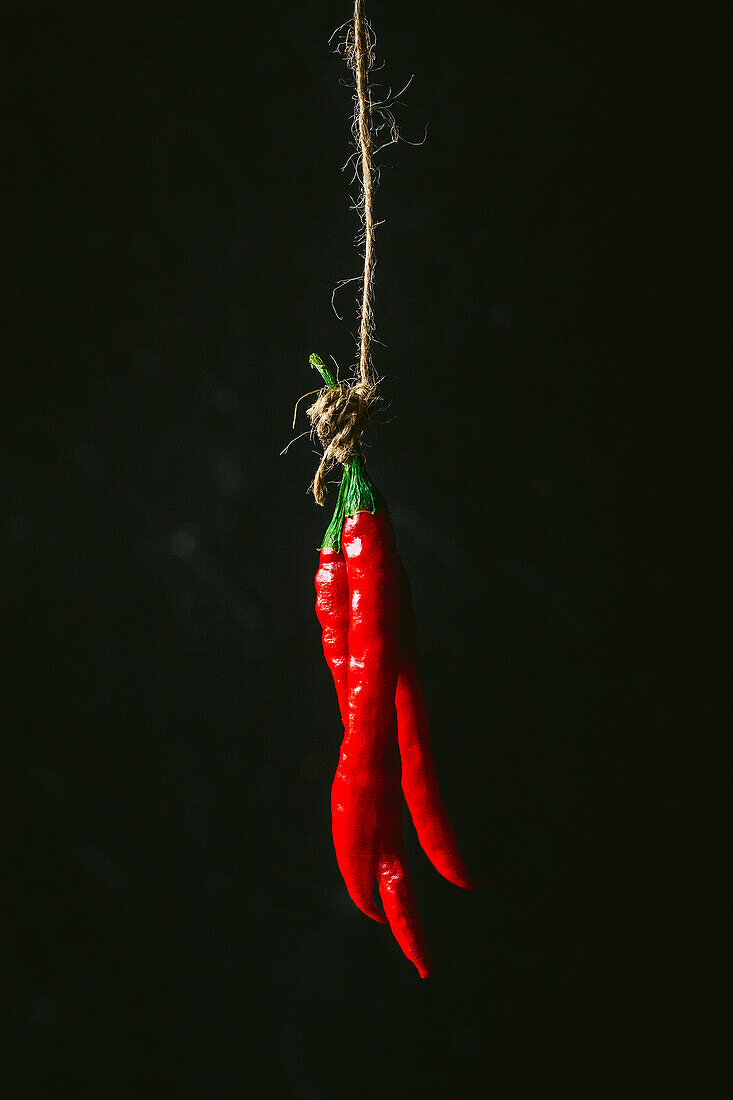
x=364, y=606
x=419, y=775
x=366, y=797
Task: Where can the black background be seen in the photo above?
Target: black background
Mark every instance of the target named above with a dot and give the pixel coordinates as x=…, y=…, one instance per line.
x=177, y=220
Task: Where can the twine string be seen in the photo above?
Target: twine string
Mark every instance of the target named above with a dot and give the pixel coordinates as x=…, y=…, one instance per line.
x=361, y=61
x=340, y=413
x=338, y=416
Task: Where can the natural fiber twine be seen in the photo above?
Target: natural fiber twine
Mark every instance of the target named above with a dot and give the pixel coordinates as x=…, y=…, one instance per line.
x=338, y=417
x=360, y=54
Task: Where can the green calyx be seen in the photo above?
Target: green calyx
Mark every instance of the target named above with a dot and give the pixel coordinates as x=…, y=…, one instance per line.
x=357, y=493
x=362, y=495
x=332, y=537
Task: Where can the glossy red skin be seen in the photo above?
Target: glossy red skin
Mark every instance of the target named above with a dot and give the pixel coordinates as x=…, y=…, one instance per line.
x=367, y=811
x=419, y=775
x=332, y=609
x=366, y=800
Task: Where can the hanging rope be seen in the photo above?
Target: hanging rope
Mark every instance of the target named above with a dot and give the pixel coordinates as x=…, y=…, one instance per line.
x=341, y=412
x=361, y=61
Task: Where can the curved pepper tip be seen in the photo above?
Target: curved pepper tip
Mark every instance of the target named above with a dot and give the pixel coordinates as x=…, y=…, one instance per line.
x=462, y=878
x=471, y=883
x=369, y=910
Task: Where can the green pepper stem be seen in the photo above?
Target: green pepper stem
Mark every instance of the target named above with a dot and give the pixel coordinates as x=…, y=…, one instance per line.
x=362, y=494
x=328, y=378
x=332, y=537
x=357, y=493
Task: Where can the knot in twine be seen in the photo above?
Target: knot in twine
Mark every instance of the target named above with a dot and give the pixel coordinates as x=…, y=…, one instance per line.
x=338, y=417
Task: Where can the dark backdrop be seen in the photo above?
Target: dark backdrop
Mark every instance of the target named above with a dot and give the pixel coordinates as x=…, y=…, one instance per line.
x=176, y=222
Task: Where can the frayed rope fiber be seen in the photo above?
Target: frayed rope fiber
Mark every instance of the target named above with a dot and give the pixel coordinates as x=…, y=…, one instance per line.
x=339, y=414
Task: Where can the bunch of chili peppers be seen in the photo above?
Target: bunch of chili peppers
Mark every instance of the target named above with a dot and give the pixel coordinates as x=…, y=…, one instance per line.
x=364, y=606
